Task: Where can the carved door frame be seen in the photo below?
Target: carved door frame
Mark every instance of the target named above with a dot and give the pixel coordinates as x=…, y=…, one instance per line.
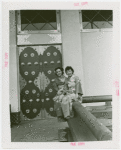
x=28, y=39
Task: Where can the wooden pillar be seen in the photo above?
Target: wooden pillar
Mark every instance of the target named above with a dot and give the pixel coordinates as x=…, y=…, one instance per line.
x=71, y=42
x=13, y=70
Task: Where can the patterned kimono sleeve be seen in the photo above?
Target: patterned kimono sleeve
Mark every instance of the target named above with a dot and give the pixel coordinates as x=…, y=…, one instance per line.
x=78, y=87
x=55, y=86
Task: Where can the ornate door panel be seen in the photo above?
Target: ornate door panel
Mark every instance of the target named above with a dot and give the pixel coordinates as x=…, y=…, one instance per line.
x=36, y=65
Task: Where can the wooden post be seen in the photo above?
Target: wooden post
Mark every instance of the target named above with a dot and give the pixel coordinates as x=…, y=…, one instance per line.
x=108, y=103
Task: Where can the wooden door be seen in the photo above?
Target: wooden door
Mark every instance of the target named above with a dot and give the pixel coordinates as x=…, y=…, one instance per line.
x=36, y=67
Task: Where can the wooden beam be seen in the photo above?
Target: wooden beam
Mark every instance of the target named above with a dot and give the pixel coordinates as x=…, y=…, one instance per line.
x=37, y=39
x=98, y=129
x=79, y=131
x=93, y=99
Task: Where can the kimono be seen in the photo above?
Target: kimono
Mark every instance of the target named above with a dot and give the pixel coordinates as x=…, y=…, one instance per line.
x=59, y=85
x=73, y=88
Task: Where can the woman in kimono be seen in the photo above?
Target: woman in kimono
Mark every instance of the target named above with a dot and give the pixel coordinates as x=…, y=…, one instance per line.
x=59, y=84
x=73, y=92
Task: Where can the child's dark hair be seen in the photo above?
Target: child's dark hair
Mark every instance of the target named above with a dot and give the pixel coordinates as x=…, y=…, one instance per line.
x=69, y=68
x=62, y=70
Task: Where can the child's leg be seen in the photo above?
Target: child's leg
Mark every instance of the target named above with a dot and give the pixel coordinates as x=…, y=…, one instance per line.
x=71, y=111
x=60, y=97
x=59, y=109
x=65, y=107
x=70, y=105
x=57, y=106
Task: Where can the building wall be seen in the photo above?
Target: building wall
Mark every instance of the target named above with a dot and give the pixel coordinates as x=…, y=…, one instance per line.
x=88, y=53
x=97, y=62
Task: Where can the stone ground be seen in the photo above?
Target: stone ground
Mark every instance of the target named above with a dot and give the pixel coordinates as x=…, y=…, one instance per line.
x=37, y=131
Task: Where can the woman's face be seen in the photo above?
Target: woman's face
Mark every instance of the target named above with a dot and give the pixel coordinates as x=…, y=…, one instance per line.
x=59, y=72
x=69, y=72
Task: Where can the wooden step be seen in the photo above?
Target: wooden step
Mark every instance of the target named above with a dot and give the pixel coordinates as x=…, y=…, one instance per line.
x=104, y=114
x=105, y=122
x=104, y=111
x=103, y=107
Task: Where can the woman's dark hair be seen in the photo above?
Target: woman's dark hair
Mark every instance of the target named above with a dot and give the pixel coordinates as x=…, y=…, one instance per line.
x=62, y=70
x=69, y=68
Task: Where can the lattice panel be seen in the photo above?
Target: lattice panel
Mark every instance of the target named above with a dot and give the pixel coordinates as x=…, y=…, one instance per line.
x=15, y=118
x=97, y=19
x=38, y=20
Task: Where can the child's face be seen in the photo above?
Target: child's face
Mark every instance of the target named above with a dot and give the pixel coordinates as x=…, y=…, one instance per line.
x=69, y=72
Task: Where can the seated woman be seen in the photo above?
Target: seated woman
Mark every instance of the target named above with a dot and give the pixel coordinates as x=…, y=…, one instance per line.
x=59, y=84
x=73, y=92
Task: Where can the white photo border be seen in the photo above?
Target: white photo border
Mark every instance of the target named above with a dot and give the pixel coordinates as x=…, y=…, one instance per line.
x=6, y=132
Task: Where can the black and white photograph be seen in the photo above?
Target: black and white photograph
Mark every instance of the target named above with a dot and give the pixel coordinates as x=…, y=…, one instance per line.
x=61, y=74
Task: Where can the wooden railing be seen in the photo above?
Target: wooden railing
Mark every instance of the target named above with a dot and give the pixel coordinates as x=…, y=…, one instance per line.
x=86, y=127
x=96, y=99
